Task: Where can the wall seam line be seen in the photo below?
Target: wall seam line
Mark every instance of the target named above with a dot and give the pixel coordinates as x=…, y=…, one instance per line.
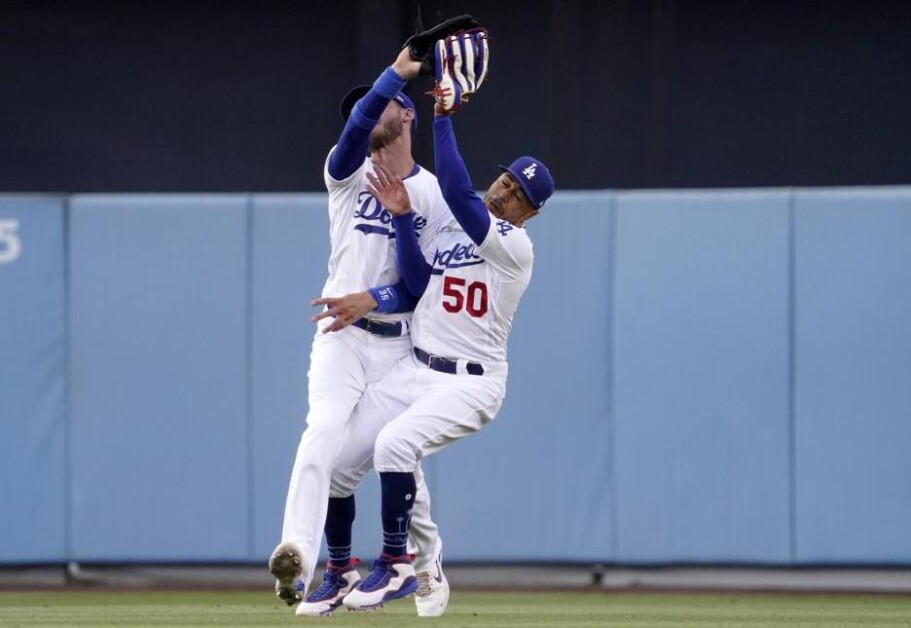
x=613, y=497
x=67, y=382
x=792, y=374
x=251, y=484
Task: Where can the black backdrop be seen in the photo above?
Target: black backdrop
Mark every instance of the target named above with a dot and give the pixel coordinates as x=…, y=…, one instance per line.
x=242, y=96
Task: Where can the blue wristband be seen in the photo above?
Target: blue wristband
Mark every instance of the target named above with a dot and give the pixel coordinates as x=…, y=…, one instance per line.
x=388, y=84
x=386, y=297
x=384, y=89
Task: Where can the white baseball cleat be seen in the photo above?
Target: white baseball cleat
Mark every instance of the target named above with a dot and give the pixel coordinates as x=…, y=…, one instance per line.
x=432, y=594
x=286, y=564
x=390, y=578
x=337, y=583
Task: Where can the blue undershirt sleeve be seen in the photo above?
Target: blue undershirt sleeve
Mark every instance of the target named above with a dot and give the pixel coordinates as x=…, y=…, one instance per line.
x=393, y=298
x=354, y=141
x=455, y=183
x=413, y=267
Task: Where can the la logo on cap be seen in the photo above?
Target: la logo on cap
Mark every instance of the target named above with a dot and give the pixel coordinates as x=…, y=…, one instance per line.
x=529, y=172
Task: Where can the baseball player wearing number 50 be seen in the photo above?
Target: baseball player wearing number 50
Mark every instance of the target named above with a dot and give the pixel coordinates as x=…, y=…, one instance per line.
x=343, y=364
x=454, y=382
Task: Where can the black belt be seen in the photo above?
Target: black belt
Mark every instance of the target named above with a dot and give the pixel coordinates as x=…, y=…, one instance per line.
x=379, y=328
x=445, y=365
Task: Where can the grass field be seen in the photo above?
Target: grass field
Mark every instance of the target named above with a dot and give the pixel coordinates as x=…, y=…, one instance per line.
x=571, y=609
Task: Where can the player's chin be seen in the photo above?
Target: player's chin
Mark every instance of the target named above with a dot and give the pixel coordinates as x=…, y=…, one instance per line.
x=378, y=142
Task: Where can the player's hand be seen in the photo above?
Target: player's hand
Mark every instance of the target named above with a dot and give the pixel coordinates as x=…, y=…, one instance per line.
x=345, y=310
x=389, y=190
x=405, y=66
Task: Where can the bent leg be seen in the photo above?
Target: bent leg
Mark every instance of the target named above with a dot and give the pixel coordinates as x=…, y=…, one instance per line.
x=449, y=408
x=379, y=405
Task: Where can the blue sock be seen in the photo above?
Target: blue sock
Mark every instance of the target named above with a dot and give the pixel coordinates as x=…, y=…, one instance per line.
x=339, y=519
x=398, y=500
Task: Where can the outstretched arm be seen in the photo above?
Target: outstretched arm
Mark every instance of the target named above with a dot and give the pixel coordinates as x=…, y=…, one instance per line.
x=354, y=141
x=455, y=183
x=387, y=299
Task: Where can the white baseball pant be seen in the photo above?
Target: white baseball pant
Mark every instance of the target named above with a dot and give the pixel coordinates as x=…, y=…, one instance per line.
x=342, y=365
x=411, y=413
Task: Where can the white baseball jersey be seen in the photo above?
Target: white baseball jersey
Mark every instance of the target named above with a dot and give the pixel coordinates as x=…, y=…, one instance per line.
x=465, y=314
x=362, y=235
x=466, y=311
x=343, y=363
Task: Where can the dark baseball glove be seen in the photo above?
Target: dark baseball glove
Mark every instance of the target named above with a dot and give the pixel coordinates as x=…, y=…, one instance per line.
x=420, y=45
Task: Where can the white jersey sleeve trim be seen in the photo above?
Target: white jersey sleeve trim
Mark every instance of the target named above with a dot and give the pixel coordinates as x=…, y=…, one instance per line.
x=507, y=247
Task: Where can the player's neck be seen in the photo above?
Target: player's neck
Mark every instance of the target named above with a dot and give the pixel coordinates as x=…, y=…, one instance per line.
x=396, y=157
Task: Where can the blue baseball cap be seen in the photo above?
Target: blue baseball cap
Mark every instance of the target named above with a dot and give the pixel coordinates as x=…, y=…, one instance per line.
x=360, y=91
x=534, y=177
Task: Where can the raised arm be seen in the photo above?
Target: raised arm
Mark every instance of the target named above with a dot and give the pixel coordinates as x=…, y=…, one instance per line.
x=354, y=141
x=455, y=183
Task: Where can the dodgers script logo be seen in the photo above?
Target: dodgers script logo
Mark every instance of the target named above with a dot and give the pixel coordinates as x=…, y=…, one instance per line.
x=457, y=256
x=370, y=210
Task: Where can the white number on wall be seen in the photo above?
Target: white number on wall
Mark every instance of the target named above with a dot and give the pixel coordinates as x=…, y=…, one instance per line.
x=10, y=244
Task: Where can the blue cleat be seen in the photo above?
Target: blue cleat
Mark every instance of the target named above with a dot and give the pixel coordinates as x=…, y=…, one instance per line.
x=391, y=578
x=337, y=583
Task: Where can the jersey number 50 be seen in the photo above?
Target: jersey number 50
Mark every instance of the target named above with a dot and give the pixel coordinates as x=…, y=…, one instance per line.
x=456, y=296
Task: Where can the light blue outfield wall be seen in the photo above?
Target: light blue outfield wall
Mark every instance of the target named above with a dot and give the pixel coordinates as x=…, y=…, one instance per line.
x=853, y=376
x=159, y=379
x=290, y=249
x=701, y=380
x=32, y=380
x=695, y=376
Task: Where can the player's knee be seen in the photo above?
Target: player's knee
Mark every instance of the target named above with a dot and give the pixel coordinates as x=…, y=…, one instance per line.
x=344, y=482
x=340, y=489
x=393, y=451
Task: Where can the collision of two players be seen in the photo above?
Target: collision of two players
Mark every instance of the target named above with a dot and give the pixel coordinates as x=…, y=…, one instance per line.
x=387, y=387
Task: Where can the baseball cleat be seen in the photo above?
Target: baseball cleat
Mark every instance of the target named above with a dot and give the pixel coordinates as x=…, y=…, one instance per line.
x=432, y=594
x=391, y=578
x=337, y=583
x=286, y=564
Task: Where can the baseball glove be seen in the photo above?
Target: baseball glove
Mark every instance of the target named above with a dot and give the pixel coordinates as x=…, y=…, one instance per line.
x=420, y=44
x=460, y=66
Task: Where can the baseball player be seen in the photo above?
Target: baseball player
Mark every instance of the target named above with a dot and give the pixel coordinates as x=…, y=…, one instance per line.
x=454, y=381
x=379, y=123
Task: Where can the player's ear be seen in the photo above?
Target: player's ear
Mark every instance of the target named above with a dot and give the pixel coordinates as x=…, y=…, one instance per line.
x=407, y=115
